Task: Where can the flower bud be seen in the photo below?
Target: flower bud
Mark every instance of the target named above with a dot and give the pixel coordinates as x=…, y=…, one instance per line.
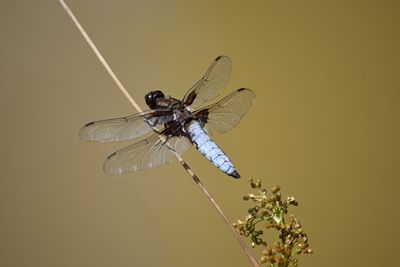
x=276, y=189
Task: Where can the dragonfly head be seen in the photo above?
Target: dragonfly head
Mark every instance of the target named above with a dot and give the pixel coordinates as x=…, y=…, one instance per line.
x=151, y=98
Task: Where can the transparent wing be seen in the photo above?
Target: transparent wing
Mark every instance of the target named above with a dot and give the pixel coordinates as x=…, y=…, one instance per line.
x=224, y=115
x=149, y=153
x=119, y=129
x=210, y=86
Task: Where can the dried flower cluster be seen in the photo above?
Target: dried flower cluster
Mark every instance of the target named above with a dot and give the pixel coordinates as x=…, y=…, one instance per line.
x=271, y=210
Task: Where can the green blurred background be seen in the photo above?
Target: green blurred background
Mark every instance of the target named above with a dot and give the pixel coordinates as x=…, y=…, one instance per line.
x=325, y=126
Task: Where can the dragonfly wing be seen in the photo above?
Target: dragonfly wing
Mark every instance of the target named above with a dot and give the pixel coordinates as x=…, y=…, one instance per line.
x=210, y=86
x=146, y=154
x=119, y=129
x=224, y=115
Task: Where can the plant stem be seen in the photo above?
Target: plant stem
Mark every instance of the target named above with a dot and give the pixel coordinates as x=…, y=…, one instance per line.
x=137, y=107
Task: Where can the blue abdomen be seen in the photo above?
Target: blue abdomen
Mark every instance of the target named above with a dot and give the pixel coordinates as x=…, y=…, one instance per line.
x=206, y=146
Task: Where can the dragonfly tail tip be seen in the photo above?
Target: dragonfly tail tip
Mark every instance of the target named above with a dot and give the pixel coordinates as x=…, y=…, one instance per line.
x=235, y=174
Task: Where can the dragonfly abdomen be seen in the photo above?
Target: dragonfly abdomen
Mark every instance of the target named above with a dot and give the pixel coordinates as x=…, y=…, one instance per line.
x=206, y=146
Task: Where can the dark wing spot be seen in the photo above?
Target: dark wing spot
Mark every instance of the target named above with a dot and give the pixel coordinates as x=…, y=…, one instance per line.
x=218, y=58
x=191, y=97
x=110, y=156
x=90, y=123
x=202, y=115
x=241, y=89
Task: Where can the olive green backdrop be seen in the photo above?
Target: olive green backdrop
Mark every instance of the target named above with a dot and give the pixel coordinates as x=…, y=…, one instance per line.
x=325, y=126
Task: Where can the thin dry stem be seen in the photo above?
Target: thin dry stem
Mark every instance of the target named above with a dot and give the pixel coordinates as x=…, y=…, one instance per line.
x=137, y=107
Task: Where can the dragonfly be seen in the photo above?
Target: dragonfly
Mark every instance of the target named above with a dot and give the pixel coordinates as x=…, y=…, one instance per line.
x=171, y=126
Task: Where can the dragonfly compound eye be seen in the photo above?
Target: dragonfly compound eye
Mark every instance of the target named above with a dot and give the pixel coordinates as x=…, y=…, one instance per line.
x=151, y=98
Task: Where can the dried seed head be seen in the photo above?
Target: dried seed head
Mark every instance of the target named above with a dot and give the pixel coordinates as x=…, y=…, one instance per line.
x=264, y=191
x=264, y=259
x=273, y=211
x=290, y=199
x=276, y=189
